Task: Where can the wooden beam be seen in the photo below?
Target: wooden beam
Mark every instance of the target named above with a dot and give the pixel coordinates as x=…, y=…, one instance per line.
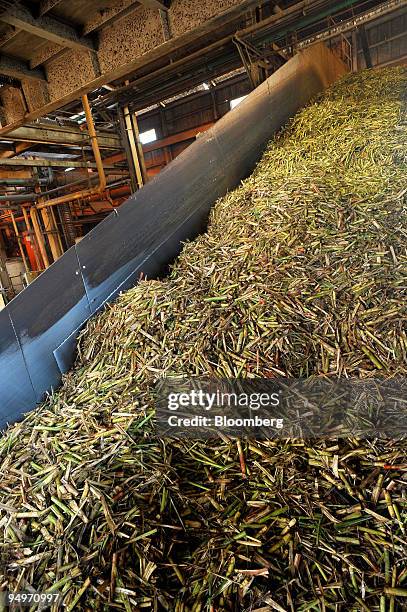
x=364, y=43
x=19, y=148
x=46, y=134
x=19, y=70
x=176, y=138
x=110, y=15
x=46, y=52
x=9, y=33
x=46, y=6
x=13, y=174
x=116, y=158
x=155, y=4
x=46, y=27
x=48, y=163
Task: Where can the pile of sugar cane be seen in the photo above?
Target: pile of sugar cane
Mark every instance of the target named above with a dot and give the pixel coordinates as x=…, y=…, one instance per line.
x=302, y=272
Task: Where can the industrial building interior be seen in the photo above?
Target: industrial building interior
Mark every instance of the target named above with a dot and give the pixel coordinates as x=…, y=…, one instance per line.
x=203, y=207
x=98, y=97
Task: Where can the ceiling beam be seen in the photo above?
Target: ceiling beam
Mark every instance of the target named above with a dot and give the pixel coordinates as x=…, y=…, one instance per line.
x=19, y=148
x=18, y=69
x=45, y=53
x=219, y=26
x=9, y=33
x=46, y=6
x=50, y=135
x=110, y=15
x=161, y=5
x=48, y=163
x=46, y=27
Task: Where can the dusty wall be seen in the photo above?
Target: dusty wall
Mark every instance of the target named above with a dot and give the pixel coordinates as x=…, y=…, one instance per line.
x=129, y=38
x=12, y=103
x=68, y=72
x=36, y=94
x=186, y=15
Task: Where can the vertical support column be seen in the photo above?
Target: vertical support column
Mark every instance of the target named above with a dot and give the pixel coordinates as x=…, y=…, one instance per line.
x=58, y=234
x=5, y=281
x=51, y=231
x=39, y=236
x=214, y=104
x=365, y=46
x=129, y=156
x=354, y=52
x=20, y=242
x=31, y=233
x=135, y=148
x=164, y=134
x=140, y=152
x=94, y=143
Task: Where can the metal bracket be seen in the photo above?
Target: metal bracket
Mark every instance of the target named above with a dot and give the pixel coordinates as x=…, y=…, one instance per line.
x=259, y=64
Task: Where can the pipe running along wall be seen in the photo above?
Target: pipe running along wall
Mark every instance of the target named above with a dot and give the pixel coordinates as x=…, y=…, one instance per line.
x=38, y=329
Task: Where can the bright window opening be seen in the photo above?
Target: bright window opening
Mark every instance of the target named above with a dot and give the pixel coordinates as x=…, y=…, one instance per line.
x=236, y=101
x=149, y=136
x=73, y=117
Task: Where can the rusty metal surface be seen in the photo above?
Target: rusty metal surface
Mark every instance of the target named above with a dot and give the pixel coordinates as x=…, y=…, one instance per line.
x=146, y=233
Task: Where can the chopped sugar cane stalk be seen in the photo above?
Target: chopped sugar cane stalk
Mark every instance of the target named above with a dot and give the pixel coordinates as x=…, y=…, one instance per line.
x=301, y=273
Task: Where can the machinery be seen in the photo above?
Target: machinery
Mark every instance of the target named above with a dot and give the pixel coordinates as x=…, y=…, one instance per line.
x=38, y=329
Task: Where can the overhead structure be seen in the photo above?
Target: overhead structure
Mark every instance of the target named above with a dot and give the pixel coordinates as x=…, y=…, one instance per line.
x=45, y=27
x=57, y=53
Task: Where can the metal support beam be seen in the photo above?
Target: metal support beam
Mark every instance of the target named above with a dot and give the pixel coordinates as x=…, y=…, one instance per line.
x=365, y=46
x=48, y=163
x=51, y=231
x=139, y=147
x=46, y=27
x=6, y=287
x=253, y=61
x=161, y=5
x=132, y=137
x=45, y=53
x=348, y=25
x=128, y=153
x=165, y=24
x=34, y=243
x=19, y=148
x=20, y=242
x=19, y=69
x=9, y=33
x=39, y=237
x=46, y=6
x=47, y=134
x=110, y=15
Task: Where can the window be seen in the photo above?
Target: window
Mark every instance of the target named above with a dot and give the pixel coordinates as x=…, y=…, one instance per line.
x=236, y=101
x=149, y=136
x=78, y=116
